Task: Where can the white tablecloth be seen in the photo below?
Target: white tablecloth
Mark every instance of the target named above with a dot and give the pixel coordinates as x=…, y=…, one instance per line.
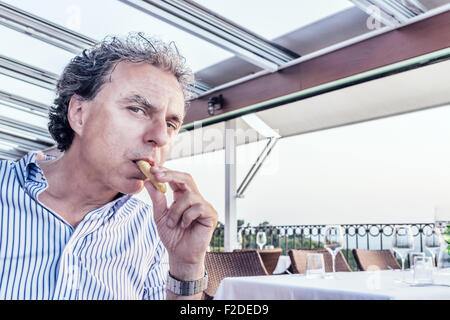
x=284, y=262
x=379, y=285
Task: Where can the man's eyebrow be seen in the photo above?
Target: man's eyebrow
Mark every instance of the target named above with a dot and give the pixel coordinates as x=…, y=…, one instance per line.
x=142, y=101
x=139, y=100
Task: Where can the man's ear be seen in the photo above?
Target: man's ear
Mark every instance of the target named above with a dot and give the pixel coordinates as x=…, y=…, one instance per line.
x=76, y=113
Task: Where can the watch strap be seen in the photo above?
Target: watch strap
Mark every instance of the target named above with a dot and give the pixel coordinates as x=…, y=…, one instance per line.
x=187, y=288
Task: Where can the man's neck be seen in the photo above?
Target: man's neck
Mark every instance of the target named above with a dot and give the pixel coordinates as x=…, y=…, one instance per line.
x=73, y=190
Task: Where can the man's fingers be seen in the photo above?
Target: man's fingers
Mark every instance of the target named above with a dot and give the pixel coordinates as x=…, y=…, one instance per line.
x=191, y=214
x=158, y=198
x=181, y=180
x=188, y=206
x=178, y=208
x=201, y=213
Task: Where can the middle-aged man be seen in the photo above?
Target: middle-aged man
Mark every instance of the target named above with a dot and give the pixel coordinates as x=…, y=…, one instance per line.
x=70, y=227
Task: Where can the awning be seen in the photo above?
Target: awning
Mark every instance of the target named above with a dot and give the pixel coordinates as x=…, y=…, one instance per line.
x=408, y=91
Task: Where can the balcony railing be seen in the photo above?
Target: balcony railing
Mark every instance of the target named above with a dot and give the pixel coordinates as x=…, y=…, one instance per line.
x=357, y=236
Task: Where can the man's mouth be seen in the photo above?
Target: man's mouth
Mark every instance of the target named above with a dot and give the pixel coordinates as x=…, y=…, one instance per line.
x=151, y=162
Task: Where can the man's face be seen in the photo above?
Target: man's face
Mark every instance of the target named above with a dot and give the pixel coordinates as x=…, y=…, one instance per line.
x=136, y=115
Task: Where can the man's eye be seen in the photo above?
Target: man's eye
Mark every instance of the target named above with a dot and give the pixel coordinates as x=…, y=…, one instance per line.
x=171, y=125
x=137, y=110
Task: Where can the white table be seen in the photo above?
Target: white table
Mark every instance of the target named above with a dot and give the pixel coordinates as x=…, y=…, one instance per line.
x=378, y=285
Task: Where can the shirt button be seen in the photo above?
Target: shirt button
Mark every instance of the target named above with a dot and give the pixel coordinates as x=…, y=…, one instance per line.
x=39, y=177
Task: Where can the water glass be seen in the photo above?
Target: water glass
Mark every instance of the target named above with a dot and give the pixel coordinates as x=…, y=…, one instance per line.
x=315, y=266
x=423, y=270
x=413, y=256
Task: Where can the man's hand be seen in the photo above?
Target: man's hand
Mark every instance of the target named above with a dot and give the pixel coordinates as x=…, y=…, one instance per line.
x=186, y=227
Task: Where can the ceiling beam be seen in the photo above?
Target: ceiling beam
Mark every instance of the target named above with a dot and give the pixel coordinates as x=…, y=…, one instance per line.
x=209, y=26
x=24, y=130
x=31, y=106
x=25, y=72
x=199, y=88
x=391, y=12
x=44, y=30
x=23, y=144
x=413, y=40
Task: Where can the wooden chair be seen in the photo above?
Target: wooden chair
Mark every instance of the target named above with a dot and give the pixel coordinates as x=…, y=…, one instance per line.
x=220, y=265
x=375, y=259
x=269, y=257
x=298, y=260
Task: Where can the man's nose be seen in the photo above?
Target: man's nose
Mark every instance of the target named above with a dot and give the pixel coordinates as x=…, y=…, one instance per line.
x=157, y=132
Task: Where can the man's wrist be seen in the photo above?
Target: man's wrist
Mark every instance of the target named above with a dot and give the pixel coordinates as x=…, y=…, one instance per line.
x=187, y=272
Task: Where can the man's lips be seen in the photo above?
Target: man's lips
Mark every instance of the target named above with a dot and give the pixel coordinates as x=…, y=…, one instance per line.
x=151, y=162
x=141, y=174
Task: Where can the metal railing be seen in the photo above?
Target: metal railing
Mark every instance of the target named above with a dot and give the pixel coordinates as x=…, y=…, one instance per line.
x=357, y=236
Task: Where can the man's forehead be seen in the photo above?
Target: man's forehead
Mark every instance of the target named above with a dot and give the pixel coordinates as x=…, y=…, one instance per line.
x=147, y=84
x=142, y=72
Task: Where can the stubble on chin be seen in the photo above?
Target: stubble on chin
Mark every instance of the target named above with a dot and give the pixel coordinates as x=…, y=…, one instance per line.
x=131, y=186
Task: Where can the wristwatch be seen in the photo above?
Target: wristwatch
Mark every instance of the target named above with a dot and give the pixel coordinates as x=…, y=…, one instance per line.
x=186, y=288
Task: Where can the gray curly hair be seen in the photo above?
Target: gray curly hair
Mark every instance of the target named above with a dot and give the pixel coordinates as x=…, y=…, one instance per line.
x=87, y=73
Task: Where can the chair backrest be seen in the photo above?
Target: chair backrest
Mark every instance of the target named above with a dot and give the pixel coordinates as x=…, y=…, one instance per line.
x=231, y=264
x=298, y=260
x=268, y=256
x=375, y=259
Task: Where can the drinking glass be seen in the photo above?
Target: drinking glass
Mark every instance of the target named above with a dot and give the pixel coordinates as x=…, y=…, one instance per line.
x=261, y=239
x=402, y=242
x=423, y=270
x=435, y=244
x=413, y=256
x=334, y=241
x=315, y=266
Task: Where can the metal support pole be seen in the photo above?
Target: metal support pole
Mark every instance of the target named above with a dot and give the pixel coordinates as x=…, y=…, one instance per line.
x=230, y=186
x=256, y=166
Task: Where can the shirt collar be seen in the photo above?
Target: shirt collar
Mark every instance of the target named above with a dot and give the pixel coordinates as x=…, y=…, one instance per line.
x=24, y=168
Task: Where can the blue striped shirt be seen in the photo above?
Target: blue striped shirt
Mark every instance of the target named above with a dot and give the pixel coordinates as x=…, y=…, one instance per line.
x=113, y=253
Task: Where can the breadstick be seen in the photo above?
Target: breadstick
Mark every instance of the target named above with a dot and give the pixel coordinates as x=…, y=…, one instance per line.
x=145, y=168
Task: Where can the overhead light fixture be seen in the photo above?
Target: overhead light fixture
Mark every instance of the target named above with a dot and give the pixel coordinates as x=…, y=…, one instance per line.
x=215, y=103
x=257, y=124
